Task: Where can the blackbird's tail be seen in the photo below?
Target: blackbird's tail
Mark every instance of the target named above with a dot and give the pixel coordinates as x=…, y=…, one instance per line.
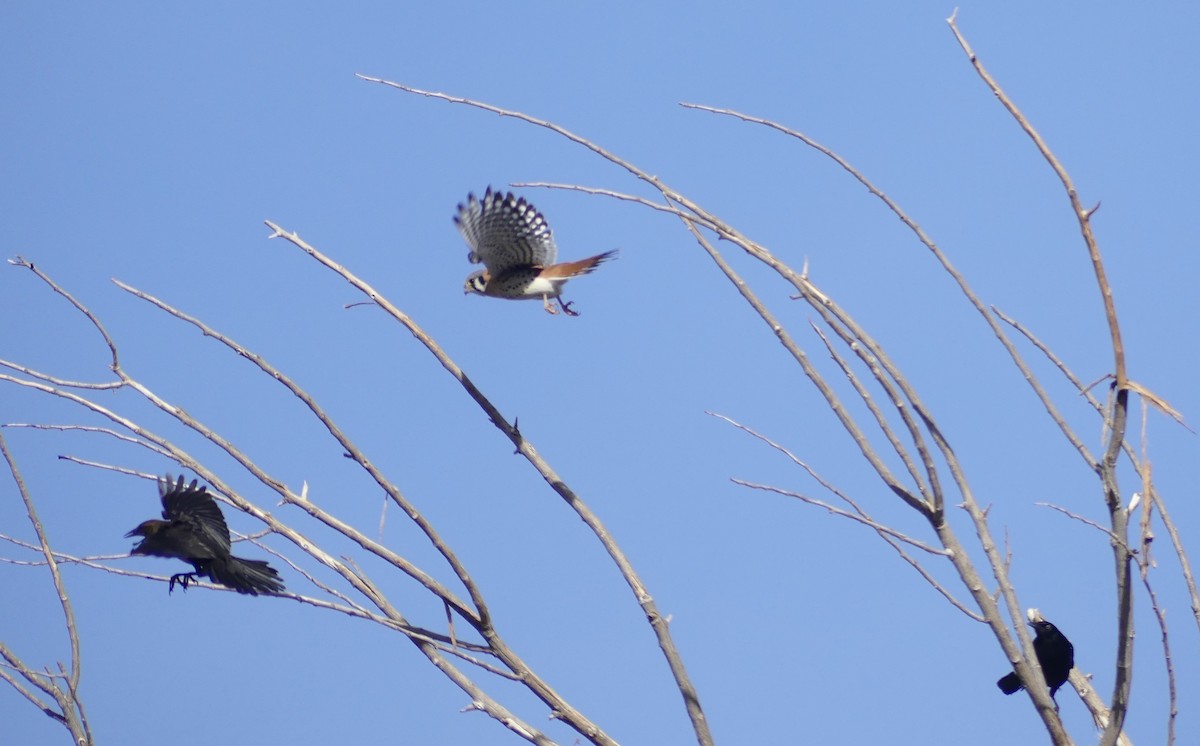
x=245, y=576
x=1010, y=684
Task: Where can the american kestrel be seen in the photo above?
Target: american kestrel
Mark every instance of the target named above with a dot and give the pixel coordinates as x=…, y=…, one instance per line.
x=512, y=240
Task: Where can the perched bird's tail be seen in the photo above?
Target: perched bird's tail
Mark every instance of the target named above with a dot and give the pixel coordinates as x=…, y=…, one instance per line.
x=245, y=576
x=1010, y=683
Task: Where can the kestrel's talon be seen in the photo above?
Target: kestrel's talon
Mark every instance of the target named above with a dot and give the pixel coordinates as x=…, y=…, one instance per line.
x=514, y=243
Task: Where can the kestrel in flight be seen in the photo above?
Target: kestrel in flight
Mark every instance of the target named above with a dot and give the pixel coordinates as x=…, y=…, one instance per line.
x=512, y=240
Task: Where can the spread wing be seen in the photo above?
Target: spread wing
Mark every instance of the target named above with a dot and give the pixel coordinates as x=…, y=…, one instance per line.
x=195, y=507
x=504, y=231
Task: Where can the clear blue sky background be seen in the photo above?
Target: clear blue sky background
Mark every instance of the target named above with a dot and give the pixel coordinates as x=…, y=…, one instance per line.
x=148, y=142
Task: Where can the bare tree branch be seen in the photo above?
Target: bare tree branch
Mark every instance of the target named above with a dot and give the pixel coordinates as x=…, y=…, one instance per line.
x=889, y=535
x=71, y=712
x=480, y=698
x=1117, y=413
x=657, y=622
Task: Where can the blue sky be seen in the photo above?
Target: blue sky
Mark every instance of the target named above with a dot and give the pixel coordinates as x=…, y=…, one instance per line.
x=149, y=142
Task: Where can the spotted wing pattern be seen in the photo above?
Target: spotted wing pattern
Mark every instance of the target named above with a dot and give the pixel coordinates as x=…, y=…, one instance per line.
x=504, y=232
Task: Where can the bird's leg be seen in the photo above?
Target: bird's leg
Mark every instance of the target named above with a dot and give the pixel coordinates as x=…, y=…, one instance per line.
x=546, y=304
x=184, y=579
x=566, y=307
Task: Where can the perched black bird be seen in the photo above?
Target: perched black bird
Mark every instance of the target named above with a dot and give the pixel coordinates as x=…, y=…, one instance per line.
x=195, y=532
x=1055, y=654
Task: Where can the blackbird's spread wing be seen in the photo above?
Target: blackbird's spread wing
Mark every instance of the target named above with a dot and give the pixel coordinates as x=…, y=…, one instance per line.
x=195, y=508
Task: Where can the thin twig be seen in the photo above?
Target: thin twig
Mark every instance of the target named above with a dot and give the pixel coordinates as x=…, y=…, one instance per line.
x=892, y=542
x=1145, y=563
x=95, y=322
x=1047, y=403
x=1087, y=521
x=47, y=378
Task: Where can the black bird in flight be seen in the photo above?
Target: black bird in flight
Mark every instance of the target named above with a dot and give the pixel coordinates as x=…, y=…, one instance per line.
x=1055, y=654
x=195, y=531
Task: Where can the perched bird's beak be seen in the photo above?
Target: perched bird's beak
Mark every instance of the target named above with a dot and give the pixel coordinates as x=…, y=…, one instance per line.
x=132, y=533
